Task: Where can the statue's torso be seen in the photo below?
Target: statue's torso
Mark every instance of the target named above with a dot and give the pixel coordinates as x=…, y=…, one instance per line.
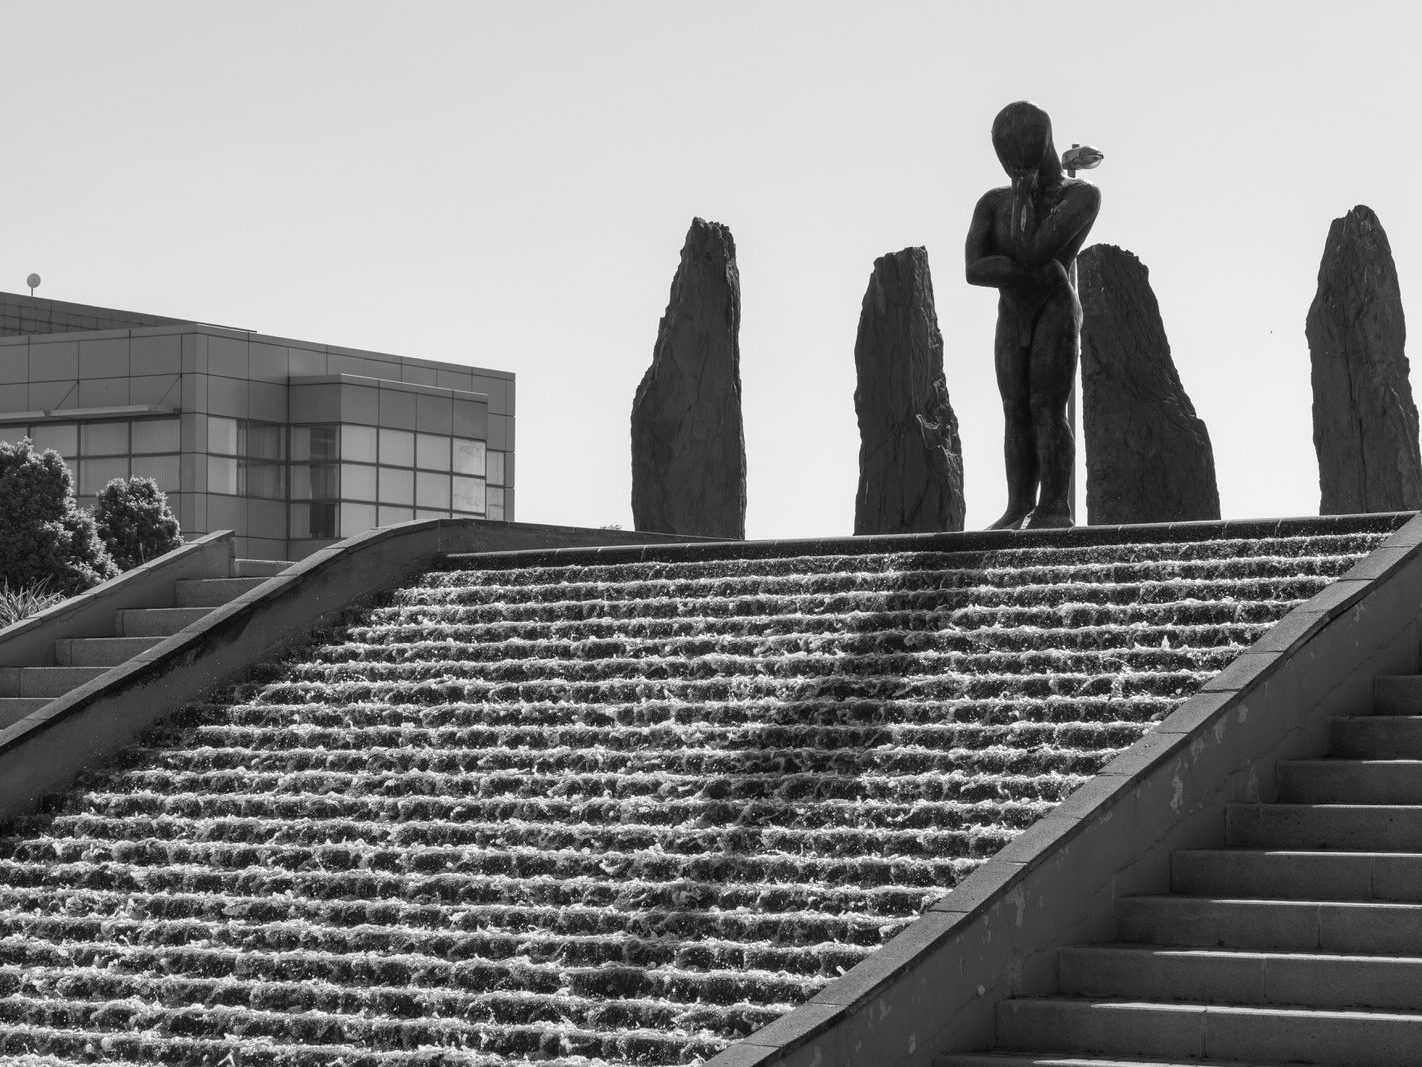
x=1024, y=302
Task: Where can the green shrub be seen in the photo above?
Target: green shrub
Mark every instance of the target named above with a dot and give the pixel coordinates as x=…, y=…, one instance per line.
x=43, y=535
x=135, y=522
x=23, y=601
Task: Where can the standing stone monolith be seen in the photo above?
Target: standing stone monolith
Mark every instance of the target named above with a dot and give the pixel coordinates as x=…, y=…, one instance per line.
x=1148, y=455
x=688, y=446
x=910, y=458
x=1364, y=420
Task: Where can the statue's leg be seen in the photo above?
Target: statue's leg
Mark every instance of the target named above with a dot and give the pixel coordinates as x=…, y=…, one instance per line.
x=1019, y=448
x=1052, y=369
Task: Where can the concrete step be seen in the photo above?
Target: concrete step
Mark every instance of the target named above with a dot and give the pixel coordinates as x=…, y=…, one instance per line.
x=211, y=592
x=1376, y=737
x=1347, y=827
x=1357, y=928
x=1318, y=980
x=1397, y=694
x=1067, y=1059
x=100, y=651
x=45, y=681
x=151, y=622
x=1224, y=1032
x=13, y=709
x=258, y=568
x=1299, y=875
x=1351, y=781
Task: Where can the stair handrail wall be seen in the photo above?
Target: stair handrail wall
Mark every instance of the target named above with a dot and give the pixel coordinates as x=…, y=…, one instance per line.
x=935, y=987
x=30, y=641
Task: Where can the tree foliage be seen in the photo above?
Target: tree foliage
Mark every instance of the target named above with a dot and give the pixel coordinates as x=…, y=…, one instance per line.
x=135, y=522
x=44, y=536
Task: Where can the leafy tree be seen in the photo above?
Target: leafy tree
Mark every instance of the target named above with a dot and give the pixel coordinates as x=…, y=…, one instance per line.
x=135, y=522
x=44, y=536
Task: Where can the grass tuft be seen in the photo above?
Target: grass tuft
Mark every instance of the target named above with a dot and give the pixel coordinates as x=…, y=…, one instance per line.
x=24, y=601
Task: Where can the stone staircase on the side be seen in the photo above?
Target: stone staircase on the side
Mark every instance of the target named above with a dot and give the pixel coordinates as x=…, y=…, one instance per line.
x=79, y=660
x=1300, y=941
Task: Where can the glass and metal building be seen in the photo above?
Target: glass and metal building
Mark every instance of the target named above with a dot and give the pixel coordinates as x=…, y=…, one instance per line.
x=291, y=444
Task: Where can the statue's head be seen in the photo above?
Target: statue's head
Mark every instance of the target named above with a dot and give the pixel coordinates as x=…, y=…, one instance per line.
x=1022, y=136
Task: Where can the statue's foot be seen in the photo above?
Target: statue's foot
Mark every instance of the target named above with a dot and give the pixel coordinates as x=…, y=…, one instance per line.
x=1011, y=520
x=1048, y=520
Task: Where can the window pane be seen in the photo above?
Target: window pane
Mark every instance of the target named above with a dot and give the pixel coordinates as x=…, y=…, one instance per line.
x=496, y=498
x=63, y=437
x=468, y=494
x=221, y=475
x=314, y=481
x=356, y=517
x=432, y=490
x=156, y=435
x=357, y=483
x=323, y=520
x=397, y=486
x=389, y=516
x=262, y=440
x=496, y=468
x=94, y=474
x=105, y=439
x=430, y=513
x=313, y=442
x=432, y=452
x=162, y=469
x=299, y=516
x=266, y=480
x=221, y=435
x=468, y=457
x=397, y=448
x=358, y=444
x=496, y=512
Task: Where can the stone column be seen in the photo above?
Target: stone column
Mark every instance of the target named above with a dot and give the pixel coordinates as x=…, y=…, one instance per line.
x=688, y=447
x=1364, y=420
x=910, y=457
x=1148, y=455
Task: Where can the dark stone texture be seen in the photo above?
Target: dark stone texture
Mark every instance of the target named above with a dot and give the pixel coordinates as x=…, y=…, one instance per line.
x=910, y=458
x=1148, y=456
x=688, y=447
x=1364, y=420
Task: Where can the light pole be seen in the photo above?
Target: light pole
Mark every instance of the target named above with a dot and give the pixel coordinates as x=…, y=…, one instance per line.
x=1077, y=157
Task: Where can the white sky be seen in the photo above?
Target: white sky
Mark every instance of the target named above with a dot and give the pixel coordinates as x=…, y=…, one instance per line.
x=509, y=184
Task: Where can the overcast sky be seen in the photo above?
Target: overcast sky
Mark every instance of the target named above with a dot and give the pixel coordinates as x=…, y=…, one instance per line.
x=508, y=185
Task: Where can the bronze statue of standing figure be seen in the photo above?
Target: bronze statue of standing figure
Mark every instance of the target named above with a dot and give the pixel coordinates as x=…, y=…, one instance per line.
x=1023, y=242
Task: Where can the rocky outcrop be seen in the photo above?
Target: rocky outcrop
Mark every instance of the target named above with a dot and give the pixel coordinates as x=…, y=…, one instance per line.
x=1148, y=455
x=1364, y=420
x=910, y=458
x=688, y=447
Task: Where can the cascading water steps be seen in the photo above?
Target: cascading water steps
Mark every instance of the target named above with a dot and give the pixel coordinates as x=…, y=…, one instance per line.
x=1300, y=941
x=584, y=812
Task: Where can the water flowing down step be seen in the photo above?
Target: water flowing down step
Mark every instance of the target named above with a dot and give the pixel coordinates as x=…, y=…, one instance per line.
x=570, y=810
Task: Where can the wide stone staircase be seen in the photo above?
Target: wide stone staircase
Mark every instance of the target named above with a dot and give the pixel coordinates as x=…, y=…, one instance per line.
x=605, y=807
x=1300, y=941
x=79, y=660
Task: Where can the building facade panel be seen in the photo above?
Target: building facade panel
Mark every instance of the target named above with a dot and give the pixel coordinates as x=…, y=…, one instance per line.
x=290, y=444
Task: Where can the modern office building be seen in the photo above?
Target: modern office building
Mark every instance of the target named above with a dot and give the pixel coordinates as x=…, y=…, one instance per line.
x=291, y=444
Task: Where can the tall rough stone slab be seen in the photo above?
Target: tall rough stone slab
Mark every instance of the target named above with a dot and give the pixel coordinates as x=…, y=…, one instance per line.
x=1364, y=419
x=1148, y=455
x=910, y=457
x=688, y=446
